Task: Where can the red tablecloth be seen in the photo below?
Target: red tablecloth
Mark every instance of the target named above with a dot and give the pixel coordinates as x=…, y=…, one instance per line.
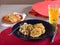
x=13, y=40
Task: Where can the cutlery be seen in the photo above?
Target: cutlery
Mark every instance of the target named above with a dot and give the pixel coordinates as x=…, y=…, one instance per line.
x=53, y=38
x=13, y=31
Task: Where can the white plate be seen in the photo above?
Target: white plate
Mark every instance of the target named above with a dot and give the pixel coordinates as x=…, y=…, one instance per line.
x=10, y=25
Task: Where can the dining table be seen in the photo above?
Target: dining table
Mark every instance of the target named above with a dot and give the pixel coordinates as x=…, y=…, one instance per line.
x=24, y=8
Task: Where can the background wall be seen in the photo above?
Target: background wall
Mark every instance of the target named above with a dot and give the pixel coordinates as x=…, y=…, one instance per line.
x=19, y=1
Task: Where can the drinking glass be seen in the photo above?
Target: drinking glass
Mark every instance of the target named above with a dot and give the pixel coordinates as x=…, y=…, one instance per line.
x=53, y=12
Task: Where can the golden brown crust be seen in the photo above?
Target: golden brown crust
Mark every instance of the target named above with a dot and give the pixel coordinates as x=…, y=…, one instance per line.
x=36, y=32
x=39, y=25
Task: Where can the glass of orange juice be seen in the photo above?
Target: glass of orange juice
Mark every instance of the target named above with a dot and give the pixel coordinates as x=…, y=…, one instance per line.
x=53, y=12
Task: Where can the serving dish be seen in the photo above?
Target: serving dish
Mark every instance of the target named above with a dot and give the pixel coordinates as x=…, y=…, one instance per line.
x=7, y=23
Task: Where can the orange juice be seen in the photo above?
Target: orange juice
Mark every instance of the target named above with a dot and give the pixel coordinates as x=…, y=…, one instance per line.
x=53, y=15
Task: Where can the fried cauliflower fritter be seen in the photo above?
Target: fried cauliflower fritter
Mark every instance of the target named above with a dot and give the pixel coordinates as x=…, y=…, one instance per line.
x=36, y=32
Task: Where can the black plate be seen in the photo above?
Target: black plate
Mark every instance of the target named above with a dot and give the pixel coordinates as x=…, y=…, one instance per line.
x=48, y=27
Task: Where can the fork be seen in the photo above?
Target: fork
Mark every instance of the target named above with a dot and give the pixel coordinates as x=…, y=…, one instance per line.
x=13, y=31
x=53, y=38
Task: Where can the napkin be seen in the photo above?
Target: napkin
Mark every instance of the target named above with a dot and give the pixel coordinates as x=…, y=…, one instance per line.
x=34, y=13
x=5, y=39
